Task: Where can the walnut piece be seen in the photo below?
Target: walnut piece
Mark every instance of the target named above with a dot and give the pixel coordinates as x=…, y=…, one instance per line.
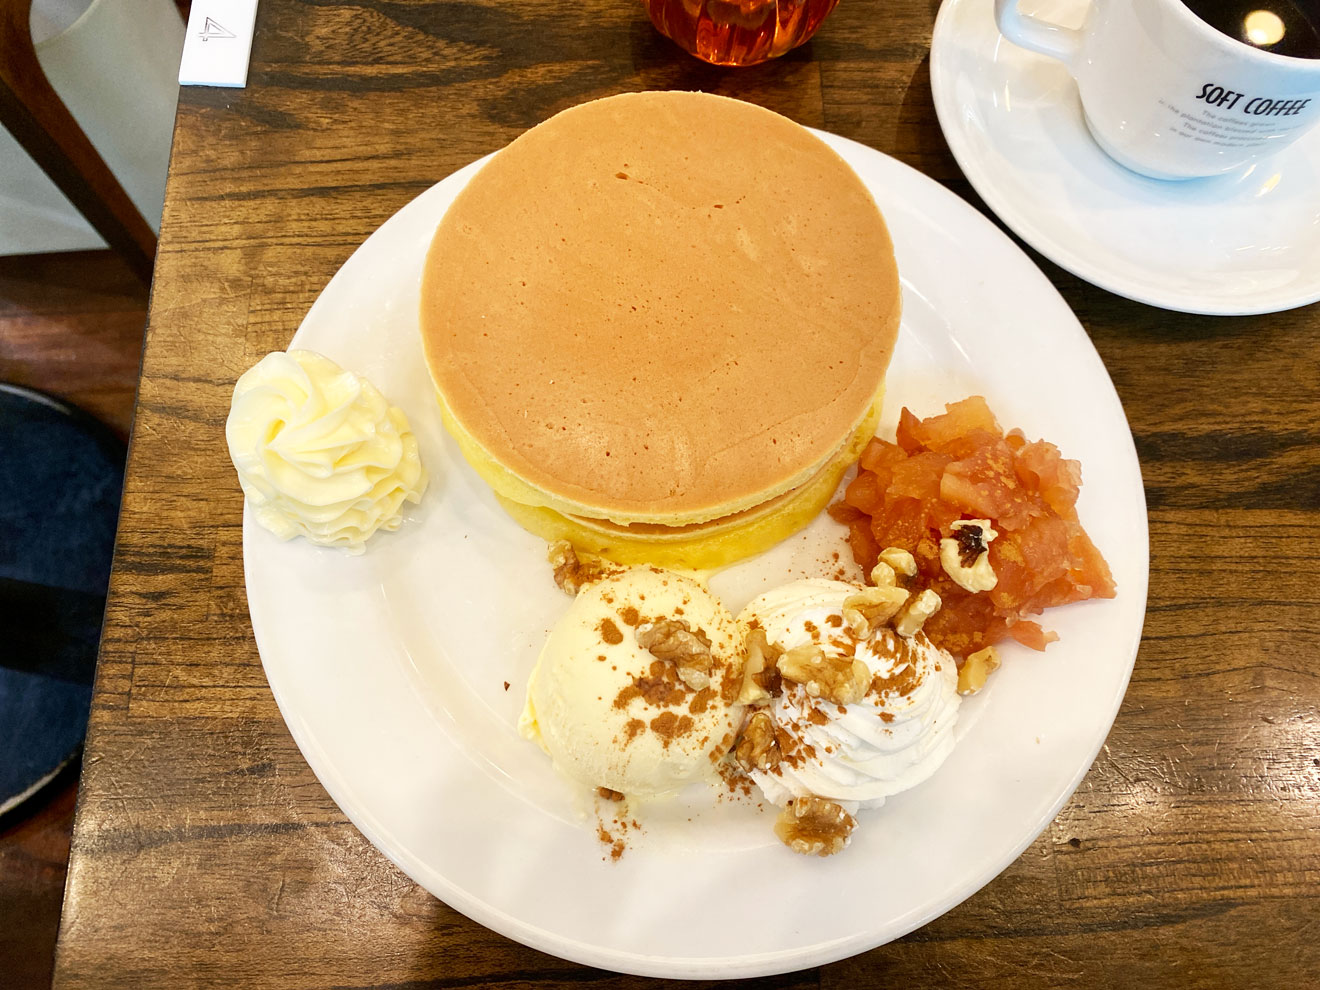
x=856, y=624
x=761, y=679
x=871, y=608
x=572, y=573
x=673, y=641
x=900, y=560
x=883, y=576
x=965, y=556
x=756, y=748
x=814, y=826
x=842, y=680
x=913, y=615
x=976, y=669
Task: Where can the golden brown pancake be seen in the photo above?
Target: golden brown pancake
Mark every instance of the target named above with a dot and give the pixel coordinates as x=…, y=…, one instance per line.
x=659, y=308
x=698, y=546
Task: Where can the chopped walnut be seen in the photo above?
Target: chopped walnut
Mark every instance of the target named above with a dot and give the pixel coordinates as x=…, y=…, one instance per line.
x=673, y=641
x=976, y=669
x=871, y=608
x=856, y=624
x=609, y=795
x=761, y=678
x=756, y=748
x=572, y=573
x=900, y=560
x=842, y=680
x=814, y=826
x=883, y=576
x=965, y=555
x=914, y=614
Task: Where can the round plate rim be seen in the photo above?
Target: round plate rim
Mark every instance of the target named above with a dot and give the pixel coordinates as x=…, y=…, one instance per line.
x=748, y=965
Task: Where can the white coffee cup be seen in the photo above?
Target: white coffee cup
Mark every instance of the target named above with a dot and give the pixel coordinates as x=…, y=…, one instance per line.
x=1169, y=96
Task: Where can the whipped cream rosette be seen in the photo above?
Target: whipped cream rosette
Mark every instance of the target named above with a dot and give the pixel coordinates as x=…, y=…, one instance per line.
x=319, y=451
x=892, y=738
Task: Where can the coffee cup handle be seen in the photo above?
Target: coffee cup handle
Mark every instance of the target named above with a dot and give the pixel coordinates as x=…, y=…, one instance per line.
x=1035, y=34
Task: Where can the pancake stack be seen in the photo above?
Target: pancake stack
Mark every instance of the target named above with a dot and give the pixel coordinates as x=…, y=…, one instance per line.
x=658, y=325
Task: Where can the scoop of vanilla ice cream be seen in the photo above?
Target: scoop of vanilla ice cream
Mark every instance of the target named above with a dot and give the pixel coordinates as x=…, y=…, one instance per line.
x=895, y=737
x=612, y=712
x=319, y=452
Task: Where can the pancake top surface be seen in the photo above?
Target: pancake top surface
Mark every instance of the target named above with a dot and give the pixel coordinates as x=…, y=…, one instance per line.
x=661, y=306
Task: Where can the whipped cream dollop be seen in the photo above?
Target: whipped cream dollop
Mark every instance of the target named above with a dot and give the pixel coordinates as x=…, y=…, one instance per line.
x=895, y=737
x=319, y=451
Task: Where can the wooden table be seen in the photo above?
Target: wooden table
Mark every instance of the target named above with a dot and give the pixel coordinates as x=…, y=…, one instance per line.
x=207, y=855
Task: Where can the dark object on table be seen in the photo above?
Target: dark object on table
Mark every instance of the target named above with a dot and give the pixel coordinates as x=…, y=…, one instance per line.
x=724, y=33
x=61, y=475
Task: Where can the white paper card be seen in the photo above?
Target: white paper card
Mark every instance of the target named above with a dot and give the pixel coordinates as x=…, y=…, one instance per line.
x=219, y=42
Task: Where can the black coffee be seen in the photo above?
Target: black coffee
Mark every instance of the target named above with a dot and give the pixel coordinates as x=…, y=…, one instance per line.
x=1285, y=27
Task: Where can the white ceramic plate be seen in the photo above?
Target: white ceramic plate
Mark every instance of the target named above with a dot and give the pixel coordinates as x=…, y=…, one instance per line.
x=1248, y=242
x=390, y=668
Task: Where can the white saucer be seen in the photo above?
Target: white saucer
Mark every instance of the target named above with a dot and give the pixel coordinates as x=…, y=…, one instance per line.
x=1243, y=243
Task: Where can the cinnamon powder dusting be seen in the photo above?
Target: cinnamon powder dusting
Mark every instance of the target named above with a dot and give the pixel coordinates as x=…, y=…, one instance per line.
x=669, y=726
x=701, y=701
x=902, y=682
x=717, y=754
x=613, y=833
x=732, y=681
x=616, y=846
x=907, y=672
x=661, y=689
x=609, y=632
x=736, y=782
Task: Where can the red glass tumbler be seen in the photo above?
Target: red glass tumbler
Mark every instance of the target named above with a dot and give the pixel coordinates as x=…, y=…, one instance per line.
x=738, y=32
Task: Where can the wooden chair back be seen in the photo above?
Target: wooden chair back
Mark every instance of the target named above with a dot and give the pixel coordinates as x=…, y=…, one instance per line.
x=33, y=112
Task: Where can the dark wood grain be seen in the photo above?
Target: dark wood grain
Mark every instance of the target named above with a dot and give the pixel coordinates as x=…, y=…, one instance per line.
x=72, y=324
x=34, y=851
x=206, y=854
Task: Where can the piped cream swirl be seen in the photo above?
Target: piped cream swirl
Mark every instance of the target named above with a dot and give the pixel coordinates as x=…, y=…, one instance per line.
x=895, y=737
x=319, y=451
